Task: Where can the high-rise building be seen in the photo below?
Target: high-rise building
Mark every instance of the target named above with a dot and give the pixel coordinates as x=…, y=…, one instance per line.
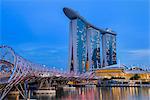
x=90, y=48
x=109, y=49
x=78, y=46
x=93, y=48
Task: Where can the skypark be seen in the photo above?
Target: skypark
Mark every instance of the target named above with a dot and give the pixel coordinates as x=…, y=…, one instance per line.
x=71, y=14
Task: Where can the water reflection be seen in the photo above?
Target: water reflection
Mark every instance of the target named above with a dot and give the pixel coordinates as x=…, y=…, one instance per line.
x=101, y=93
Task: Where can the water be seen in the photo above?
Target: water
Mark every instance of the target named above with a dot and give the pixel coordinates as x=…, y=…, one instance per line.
x=101, y=93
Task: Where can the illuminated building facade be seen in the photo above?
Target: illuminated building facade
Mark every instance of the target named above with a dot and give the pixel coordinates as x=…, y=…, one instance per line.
x=109, y=49
x=90, y=48
x=94, y=48
x=78, y=46
x=122, y=72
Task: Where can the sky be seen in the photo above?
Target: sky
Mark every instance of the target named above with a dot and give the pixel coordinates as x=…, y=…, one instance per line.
x=38, y=30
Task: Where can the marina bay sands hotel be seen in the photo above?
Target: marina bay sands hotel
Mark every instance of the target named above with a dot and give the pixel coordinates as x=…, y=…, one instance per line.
x=90, y=48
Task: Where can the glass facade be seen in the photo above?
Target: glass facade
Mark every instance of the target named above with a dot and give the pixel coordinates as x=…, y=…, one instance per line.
x=114, y=58
x=81, y=46
x=94, y=48
x=78, y=46
x=110, y=49
x=86, y=44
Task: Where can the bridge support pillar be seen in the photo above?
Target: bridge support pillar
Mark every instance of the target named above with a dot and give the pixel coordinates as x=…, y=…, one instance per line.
x=23, y=90
x=45, y=83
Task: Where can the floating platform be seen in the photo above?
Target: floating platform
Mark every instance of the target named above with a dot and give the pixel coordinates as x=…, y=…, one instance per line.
x=69, y=88
x=45, y=91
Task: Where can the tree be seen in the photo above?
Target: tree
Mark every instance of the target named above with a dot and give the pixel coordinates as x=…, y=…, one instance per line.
x=135, y=77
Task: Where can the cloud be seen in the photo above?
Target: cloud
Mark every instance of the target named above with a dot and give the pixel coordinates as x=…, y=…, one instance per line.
x=139, y=53
x=138, y=56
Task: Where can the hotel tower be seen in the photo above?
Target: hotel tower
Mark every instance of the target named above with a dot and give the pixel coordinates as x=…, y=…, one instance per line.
x=90, y=48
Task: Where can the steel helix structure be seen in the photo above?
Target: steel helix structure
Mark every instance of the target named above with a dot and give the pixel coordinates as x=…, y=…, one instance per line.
x=15, y=69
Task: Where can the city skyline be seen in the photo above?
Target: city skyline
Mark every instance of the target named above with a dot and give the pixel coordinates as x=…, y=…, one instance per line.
x=29, y=29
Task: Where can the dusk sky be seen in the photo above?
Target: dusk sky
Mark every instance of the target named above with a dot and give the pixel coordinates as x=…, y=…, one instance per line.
x=38, y=30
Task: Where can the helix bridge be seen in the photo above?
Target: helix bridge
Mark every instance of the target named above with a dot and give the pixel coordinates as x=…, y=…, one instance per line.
x=16, y=73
